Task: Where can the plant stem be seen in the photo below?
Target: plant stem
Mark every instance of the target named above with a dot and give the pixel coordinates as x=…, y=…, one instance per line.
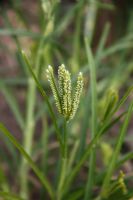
x=30, y=123
x=28, y=134
x=90, y=181
x=89, y=33
x=63, y=164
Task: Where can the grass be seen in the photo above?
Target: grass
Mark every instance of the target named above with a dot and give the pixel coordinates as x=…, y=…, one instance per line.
x=64, y=155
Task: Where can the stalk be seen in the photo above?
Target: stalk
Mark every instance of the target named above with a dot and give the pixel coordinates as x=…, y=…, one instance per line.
x=63, y=164
x=90, y=181
x=30, y=124
x=28, y=135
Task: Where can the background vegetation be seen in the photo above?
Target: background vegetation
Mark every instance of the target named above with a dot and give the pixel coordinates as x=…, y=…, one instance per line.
x=91, y=36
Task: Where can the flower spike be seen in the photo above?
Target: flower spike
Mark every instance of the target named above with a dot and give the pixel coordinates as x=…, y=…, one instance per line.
x=63, y=94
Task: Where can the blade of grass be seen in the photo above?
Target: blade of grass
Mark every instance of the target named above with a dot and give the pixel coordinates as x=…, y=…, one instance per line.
x=40, y=176
x=111, y=167
x=90, y=180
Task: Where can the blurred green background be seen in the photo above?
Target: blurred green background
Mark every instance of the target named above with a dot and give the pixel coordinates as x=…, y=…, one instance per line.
x=52, y=32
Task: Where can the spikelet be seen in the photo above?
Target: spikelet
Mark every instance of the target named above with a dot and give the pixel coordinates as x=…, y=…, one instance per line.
x=50, y=76
x=61, y=72
x=63, y=95
x=64, y=81
x=76, y=98
x=69, y=93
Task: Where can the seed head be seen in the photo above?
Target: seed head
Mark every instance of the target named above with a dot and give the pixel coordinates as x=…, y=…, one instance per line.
x=66, y=105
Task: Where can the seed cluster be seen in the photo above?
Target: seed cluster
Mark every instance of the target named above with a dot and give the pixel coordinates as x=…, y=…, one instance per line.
x=66, y=104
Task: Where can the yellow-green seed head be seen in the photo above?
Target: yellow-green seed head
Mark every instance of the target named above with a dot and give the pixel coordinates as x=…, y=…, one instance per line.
x=66, y=105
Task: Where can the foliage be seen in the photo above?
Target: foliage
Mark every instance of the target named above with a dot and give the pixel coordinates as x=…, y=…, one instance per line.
x=66, y=166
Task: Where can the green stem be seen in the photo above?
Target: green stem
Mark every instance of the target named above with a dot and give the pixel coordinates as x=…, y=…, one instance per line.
x=28, y=134
x=30, y=123
x=62, y=178
x=90, y=181
x=63, y=164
